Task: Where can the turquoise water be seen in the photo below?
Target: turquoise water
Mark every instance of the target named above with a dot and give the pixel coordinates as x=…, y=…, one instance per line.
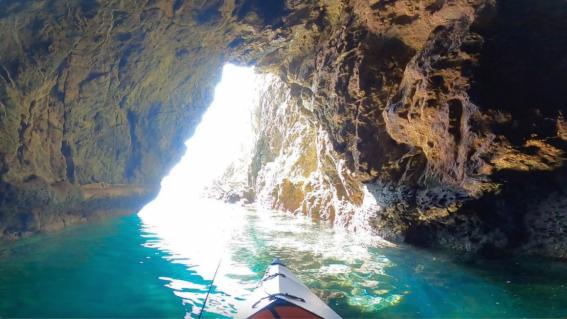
x=161, y=267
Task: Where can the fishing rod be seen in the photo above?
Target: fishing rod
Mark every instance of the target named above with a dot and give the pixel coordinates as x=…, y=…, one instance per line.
x=214, y=277
x=210, y=289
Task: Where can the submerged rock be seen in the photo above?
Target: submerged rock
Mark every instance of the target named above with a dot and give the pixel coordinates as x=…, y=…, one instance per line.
x=438, y=123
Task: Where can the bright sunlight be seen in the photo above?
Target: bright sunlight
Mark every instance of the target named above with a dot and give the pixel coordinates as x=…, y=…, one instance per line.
x=225, y=132
x=180, y=214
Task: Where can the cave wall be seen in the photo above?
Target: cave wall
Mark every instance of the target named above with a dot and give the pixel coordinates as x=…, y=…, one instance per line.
x=98, y=97
x=473, y=102
x=449, y=114
x=294, y=167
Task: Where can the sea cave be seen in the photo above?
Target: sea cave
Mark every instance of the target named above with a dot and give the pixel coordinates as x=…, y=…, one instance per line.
x=283, y=158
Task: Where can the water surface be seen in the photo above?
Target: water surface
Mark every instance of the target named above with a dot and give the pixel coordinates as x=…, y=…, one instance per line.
x=153, y=266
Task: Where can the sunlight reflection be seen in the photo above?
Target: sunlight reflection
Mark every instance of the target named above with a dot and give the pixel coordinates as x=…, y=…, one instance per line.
x=198, y=233
x=193, y=230
x=225, y=132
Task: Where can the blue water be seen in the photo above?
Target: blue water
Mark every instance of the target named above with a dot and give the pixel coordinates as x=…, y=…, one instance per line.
x=132, y=267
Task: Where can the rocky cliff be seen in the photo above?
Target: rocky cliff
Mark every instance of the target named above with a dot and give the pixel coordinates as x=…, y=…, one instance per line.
x=98, y=97
x=435, y=122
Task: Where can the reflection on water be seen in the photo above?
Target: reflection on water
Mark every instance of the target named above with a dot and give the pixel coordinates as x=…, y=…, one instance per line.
x=193, y=231
x=127, y=267
x=199, y=244
x=332, y=262
x=357, y=281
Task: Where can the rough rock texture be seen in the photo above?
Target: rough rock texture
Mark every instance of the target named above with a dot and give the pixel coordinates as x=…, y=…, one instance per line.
x=98, y=97
x=449, y=112
x=294, y=166
x=440, y=110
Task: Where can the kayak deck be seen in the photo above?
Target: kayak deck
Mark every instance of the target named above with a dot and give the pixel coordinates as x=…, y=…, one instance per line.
x=280, y=295
x=282, y=309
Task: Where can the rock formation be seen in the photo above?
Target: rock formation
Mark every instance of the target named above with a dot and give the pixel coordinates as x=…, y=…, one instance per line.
x=435, y=122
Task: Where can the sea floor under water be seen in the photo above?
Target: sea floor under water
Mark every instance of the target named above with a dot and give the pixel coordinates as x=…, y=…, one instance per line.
x=161, y=265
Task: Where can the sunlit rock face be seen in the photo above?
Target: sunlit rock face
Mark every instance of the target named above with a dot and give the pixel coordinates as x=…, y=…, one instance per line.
x=437, y=110
x=294, y=166
x=439, y=123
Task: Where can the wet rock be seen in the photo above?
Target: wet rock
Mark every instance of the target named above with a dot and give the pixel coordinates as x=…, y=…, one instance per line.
x=438, y=123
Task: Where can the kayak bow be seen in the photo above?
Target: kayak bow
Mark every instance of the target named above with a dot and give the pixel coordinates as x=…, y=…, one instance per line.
x=280, y=295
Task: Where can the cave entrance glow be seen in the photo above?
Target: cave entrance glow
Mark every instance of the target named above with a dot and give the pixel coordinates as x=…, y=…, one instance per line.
x=224, y=134
x=187, y=223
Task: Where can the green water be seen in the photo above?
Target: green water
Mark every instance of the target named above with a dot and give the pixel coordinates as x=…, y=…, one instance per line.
x=144, y=267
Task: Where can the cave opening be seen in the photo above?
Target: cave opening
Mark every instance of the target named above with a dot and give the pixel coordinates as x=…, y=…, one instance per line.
x=184, y=214
x=224, y=135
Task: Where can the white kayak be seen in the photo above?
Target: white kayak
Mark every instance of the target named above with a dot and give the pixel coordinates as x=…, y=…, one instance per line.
x=280, y=295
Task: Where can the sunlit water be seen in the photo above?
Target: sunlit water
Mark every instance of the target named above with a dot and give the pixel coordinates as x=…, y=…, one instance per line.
x=124, y=268
x=160, y=263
